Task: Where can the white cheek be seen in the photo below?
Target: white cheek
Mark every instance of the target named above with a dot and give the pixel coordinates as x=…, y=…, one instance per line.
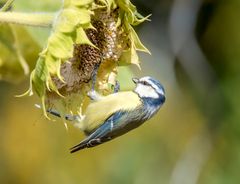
x=146, y=91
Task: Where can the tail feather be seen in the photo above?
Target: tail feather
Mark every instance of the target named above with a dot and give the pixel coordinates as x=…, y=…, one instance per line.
x=78, y=147
x=99, y=136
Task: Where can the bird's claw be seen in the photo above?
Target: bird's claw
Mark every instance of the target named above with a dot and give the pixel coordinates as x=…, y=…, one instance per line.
x=116, y=87
x=93, y=95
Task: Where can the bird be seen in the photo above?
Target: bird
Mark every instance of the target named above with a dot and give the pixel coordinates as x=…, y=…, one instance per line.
x=111, y=116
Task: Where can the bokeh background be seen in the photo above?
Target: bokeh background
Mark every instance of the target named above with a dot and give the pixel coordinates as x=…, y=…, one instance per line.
x=194, y=138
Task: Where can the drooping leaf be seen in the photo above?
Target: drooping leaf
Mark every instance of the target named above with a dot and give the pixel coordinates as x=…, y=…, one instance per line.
x=137, y=42
x=81, y=2
x=60, y=45
x=82, y=38
x=71, y=18
x=40, y=75
x=134, y=57
x=140, y=19
x=18, y=55
x=51, y=64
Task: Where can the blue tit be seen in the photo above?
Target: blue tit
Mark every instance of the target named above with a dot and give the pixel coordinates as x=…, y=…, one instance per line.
x=111, y=116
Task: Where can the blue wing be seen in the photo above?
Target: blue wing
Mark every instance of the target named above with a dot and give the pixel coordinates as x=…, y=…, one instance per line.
x=102, y=133
x=117, y=124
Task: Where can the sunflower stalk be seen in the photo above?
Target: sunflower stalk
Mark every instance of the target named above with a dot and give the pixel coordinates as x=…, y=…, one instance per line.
x=6, y=6
x=29, y=19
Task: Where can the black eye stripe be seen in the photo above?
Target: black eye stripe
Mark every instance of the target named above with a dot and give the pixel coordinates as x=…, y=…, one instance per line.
x=145, y=83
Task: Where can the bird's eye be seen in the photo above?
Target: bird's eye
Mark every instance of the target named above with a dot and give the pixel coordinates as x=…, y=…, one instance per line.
x=145, y=83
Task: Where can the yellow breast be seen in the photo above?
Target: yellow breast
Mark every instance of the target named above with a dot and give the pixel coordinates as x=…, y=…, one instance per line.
x=97, y=112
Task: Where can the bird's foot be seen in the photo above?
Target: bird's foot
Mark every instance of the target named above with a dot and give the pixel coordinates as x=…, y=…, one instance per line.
x=116, y=87
x=94, y=76
x=93, y=95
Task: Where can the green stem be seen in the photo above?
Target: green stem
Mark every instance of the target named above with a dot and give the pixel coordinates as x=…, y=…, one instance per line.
x=6, y=5
x=21, y=59
x=29, y=19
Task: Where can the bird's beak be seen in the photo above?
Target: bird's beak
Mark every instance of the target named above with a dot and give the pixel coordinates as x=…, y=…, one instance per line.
x=135, y=80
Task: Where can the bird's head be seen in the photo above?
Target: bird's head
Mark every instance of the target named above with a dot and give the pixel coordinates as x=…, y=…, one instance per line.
x=149, y=88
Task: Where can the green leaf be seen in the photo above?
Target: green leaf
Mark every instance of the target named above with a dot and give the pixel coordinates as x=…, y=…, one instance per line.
x=109, y=4
x=83, y=16
x=129, y=10
x=19, y=53
x=44, y=107
x=129, y=57
x=81, y=2
x=125, y=58
x=29, y=92
x=60, y=45
x=71, y=18
x=52, y=87
x=134, y=57
x=141, y=20
x=40, y=77
x=88, y=26
x=82, y=38
x=52, y=64
x=137, y=43
x=58, y=63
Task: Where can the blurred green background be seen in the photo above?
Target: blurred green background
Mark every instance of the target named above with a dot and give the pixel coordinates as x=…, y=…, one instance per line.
x=194, y=138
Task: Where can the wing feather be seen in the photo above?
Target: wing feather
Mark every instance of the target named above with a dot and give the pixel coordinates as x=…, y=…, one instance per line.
x=101, y=134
